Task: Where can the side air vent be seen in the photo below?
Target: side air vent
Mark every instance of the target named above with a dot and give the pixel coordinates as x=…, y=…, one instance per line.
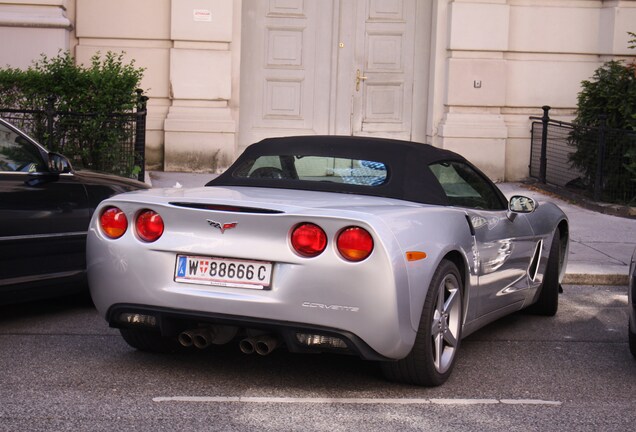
x=225, y=208
x=534, y=264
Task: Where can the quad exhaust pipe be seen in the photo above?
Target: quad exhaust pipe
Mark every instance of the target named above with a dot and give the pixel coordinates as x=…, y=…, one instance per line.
x=203, y=337
x=262, y=345
x=199, y=338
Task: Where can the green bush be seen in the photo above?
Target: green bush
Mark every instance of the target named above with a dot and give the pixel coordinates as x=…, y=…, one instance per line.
x=608, y=100
x=93, y=138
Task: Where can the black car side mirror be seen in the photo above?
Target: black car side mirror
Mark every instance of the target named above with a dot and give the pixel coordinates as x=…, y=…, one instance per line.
x=59, y=164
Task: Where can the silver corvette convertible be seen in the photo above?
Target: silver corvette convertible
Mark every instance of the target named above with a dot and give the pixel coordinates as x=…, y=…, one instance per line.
x=389, y=250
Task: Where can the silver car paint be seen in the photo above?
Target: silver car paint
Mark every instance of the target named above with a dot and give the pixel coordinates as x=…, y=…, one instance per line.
x=386, y=291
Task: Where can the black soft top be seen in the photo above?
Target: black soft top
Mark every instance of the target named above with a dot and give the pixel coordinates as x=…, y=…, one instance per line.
x=409, y=177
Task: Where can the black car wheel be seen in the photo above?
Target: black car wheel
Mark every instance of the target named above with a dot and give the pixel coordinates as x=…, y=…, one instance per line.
x=145, y=340
x=632, y=338
x=548, y=302
x=433, y=355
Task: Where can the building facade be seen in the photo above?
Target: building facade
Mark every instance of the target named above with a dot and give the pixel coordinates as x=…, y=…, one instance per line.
x=460, y=74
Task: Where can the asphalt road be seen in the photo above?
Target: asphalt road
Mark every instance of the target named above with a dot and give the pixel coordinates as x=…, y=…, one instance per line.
x=62, y=368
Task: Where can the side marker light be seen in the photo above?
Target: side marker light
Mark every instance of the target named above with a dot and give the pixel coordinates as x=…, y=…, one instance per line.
x=415, y=255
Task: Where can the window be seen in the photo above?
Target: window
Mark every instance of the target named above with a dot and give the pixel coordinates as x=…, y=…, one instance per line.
x=465, y=187
x=315, y=168
x=17, y=154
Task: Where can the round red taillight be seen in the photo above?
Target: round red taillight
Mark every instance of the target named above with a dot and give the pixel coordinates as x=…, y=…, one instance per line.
x=113, y=222
x=149, y=225
x=308, y=240
x=355, y=244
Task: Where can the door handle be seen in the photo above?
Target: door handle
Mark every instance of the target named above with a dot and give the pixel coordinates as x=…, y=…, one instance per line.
x=359, y=77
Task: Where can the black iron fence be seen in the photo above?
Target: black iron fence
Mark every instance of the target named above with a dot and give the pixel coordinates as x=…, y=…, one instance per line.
x=114, y=143
x=596, y=161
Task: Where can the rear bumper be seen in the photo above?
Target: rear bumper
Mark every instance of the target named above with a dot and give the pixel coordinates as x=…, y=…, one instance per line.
x=171, y=322
x=369, y=299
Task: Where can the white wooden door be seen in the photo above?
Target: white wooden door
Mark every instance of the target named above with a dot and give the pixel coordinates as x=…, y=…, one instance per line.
x=285, y=68
x=300, y=61
x=381, y=73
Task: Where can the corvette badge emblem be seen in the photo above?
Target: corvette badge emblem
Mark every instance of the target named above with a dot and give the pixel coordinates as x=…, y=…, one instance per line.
x=222, y=226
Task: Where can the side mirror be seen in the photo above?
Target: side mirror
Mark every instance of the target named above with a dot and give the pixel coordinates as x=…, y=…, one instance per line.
x=59, y=164
x=521, y=204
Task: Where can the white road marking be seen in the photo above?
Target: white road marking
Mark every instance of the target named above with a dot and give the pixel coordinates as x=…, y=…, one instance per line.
x=389, y=401
x=465, y=401
x=529, y=402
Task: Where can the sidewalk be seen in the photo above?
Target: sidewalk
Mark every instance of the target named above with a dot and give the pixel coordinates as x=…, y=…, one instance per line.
x=601, y=245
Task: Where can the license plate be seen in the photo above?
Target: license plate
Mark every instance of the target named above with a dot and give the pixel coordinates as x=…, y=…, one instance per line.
x=223, y=272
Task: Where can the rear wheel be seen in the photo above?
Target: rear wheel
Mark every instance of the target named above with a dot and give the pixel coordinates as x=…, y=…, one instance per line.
x=145, y=340
x=433, y=355
x=548, y=302
x=632, y=338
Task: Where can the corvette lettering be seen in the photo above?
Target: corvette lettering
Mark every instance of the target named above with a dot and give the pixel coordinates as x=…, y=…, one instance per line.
x=222, y=226
x=330, y=307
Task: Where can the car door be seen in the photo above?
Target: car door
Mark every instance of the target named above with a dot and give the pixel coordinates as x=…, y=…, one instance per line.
x=43, y=216
x=504, y=247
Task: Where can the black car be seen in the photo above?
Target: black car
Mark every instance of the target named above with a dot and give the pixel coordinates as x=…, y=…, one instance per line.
x=45, y=208
x=631, y=295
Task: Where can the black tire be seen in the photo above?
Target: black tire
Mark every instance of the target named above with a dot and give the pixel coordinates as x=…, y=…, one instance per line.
x=434, y=352
x=145, y=340
x=632, y=339
x=547, y=303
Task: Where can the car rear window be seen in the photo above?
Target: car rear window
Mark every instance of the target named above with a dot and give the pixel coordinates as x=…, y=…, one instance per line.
x=314, y=168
